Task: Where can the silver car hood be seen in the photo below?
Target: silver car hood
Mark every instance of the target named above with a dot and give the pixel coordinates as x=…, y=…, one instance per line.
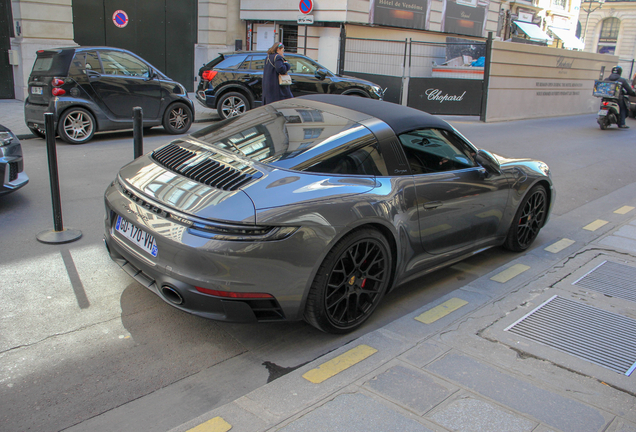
x=243, y=187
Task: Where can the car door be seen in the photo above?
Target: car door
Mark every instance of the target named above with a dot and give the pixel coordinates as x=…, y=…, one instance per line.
x=251, y=74
x=303, y=73
x=458, y=204
x=125, y=82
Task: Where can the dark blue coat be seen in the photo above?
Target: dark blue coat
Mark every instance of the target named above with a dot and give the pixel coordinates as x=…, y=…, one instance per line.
x=272, y=91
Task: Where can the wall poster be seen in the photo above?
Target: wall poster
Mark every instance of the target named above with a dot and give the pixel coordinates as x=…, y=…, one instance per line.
x=464, y=17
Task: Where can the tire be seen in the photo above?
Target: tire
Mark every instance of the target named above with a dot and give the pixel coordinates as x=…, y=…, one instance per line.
x=232, y=104
x=528, y=221
x=601, y=124
x=37, y=132
x=177, y=119
x=76, y=126
x=350, y=283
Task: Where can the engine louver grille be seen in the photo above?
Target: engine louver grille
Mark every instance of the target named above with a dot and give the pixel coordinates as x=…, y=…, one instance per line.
x=208, y=171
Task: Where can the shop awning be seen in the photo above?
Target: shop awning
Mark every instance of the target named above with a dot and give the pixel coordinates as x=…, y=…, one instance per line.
x=533, y=31
x=569, y=40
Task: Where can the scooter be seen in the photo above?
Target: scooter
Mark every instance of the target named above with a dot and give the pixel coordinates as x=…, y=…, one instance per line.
x=608, y=113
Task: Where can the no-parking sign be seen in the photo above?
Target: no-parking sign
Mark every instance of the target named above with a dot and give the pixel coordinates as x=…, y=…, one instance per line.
x=120, y=18
x=306, y=6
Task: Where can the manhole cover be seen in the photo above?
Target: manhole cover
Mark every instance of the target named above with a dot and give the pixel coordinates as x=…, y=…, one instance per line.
x=612, y=279
x=595, y=335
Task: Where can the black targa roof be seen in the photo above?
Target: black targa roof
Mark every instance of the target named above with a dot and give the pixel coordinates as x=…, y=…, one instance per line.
x=400, y=118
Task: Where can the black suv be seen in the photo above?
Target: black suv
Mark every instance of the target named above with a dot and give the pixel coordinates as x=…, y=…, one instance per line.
x=91, y=89
x=233, y=82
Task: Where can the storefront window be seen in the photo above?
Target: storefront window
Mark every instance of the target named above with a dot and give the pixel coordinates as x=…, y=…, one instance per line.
x=609, y=36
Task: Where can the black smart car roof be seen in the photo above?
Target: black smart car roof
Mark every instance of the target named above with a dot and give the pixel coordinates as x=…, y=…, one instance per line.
x=400, y=118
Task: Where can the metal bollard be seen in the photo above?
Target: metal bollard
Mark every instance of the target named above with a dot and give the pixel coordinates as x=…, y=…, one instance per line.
x=58, y=235
x=138, y=131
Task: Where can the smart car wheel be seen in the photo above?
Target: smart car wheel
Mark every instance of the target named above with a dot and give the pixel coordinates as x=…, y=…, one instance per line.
x=350, y=283
x=232, y=104
x=177, y=119
x=528, y=221
x=76, y=126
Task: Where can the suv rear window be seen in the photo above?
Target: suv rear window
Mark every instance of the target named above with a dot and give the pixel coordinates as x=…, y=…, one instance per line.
x=231, y=62
x=52, y=63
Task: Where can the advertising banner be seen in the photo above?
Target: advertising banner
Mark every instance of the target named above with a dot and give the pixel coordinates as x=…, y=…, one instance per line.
x=396, y=13
x=446, y=96
x=464, y=17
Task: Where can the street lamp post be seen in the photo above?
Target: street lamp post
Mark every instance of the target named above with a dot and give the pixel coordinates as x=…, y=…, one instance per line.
x=592, y=5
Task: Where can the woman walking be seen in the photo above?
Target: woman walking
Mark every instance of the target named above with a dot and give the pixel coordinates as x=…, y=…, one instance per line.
x=275, y=65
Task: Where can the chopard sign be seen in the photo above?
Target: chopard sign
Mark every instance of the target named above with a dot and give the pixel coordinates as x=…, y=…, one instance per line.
x=438, y=95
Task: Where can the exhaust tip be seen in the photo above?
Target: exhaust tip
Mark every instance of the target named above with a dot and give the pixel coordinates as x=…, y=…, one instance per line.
x=172, y=295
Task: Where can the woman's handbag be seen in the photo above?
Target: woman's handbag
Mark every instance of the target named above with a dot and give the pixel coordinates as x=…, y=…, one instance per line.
x=284, y=79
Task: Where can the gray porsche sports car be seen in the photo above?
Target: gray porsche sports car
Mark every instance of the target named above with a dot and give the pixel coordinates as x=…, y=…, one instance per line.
x=313, y=208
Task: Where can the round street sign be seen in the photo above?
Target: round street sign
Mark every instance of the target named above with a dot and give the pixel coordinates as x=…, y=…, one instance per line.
x=306, y=6
x=120, y=18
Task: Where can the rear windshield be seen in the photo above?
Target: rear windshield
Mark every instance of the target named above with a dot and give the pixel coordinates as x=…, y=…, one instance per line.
x=299, y=139
x=53, y=63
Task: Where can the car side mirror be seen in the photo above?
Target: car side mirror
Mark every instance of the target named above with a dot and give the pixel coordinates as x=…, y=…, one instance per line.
x=488, y=161
x=321, y=74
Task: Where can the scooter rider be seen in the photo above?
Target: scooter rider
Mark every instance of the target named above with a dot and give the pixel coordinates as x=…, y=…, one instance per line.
x=622, y=103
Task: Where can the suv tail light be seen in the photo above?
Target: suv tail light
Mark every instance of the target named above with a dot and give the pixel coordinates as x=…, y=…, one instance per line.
x=56, y=91
x=208, y=75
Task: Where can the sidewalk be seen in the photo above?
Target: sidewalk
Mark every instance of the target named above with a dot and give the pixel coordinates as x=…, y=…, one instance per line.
x=546, y=344
x=12, y=116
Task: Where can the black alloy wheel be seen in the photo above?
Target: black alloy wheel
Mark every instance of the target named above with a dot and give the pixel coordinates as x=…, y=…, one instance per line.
x=177, y=119
x=350, y=282
x=232, y=104
x=529, y=220
x=76, y=126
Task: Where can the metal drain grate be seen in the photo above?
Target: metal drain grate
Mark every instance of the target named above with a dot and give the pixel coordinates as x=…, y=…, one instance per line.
x=612, y=279
x=601, y=337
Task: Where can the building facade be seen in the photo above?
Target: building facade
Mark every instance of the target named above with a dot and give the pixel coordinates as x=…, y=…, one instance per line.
x=176, y=37
x=611, y=29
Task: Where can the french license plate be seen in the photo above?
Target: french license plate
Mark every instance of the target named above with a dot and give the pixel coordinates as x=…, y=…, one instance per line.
x=36, y=90
x=136, y=235
x=603, y=112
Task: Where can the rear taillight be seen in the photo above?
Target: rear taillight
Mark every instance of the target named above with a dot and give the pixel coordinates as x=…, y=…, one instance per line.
x=208, y=75
x=605, y=103
x=56, y=91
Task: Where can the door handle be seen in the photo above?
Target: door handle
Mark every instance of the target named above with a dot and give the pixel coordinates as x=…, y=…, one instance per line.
x=432, y=205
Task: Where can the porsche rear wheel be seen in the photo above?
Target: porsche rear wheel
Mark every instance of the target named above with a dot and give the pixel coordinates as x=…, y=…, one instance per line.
x=529, y=220
x=350, y=283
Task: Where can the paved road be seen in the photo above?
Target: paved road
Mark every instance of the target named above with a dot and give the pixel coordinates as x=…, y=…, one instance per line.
x=82, y=343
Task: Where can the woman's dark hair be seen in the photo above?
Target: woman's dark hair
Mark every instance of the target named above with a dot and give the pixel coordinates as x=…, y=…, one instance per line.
x=275, y=47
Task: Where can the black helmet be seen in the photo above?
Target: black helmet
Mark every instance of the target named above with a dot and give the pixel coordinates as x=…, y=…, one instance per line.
x=617, y=70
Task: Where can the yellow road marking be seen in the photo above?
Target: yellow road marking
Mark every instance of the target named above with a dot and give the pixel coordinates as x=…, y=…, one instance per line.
x=339, y=364
x=509, y=273
x=432, y=315
x=560, y=245
x=624, y=210
x=595, y=225
x=217, y=424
